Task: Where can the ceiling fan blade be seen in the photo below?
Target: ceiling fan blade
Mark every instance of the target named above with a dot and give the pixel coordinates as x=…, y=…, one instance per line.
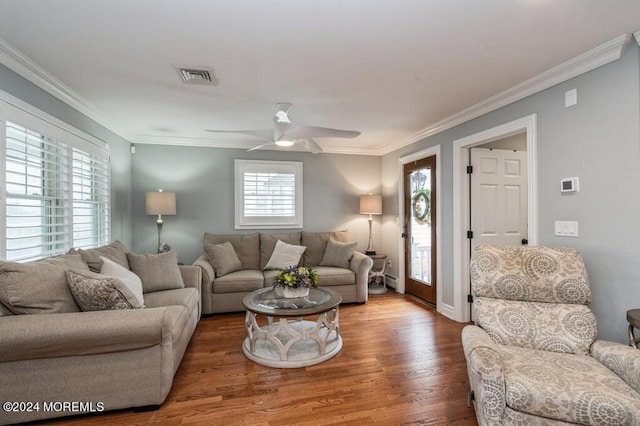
x=264, y=134
x=308, y=132
x=255, y=148
x=312, y=146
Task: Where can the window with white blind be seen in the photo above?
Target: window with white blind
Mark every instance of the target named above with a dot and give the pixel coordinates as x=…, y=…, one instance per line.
x=268, y=194
x=57, y=187
x=90, y=200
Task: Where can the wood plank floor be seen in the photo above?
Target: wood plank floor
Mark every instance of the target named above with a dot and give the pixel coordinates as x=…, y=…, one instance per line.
x=401, y=363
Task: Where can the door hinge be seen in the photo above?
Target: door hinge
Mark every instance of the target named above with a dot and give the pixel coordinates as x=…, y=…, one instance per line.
x=469, y=170
x=470, y=298
x=469, y=234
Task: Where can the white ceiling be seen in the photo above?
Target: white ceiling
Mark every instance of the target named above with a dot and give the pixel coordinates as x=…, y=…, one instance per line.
x=393, y=69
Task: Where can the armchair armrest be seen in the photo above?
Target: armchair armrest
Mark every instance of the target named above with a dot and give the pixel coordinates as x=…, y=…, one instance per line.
x=192, y=276
x=484, y=366
x=361, y=264
x=621, y=359
x=208, y=273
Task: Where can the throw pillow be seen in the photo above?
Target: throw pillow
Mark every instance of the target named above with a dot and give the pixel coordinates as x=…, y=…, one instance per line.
x=131, y=280
x=268, y=244
x=223, y=258
x=96, y=292
x=285, y=255
x=115, y=251
x=316, y=243
x=39, y=287
x=157, y=271
x=338, y=254
x=247, y=247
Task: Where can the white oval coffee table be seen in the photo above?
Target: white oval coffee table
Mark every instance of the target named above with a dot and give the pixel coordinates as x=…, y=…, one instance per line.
x=280, y=333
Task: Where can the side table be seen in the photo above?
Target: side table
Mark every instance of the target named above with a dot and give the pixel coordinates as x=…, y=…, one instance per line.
x=377, y=280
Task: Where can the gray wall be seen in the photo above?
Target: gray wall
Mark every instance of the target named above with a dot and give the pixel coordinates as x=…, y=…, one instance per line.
x=597, y=140
x=203, y=180
x=26, y=91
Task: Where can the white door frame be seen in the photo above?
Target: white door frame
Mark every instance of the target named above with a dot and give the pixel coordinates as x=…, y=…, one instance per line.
x=434, y=150
x=461, y=200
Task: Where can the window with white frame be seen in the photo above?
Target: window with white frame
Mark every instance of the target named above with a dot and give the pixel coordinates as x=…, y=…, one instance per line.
x=57, y=186
x=268, y=194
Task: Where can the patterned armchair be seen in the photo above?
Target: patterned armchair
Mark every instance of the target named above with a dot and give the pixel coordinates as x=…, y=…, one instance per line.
x=533, y=357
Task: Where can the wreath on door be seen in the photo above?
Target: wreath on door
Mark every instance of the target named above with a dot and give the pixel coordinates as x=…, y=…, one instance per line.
x=421, y=206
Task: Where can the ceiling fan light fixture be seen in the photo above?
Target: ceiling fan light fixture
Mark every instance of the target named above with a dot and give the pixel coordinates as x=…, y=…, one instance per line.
x=284, y=143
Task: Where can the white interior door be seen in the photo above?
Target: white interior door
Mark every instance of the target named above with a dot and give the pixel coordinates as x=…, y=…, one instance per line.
x=498, y=196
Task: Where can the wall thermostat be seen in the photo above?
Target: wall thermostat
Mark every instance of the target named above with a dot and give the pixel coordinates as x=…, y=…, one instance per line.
x=569, y=185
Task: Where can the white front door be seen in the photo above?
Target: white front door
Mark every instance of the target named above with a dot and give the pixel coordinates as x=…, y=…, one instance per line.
x=498, y=196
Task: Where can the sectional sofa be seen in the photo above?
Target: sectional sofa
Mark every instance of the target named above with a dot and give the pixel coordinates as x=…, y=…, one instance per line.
x=52, y=353
x=331, y=254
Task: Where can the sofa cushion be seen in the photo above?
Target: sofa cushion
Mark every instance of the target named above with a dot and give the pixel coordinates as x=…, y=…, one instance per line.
x=131, y=280
x=338, y=254
x=39, y=287
x=240, y=281
x=270, y=277
x=115, y=251
x=536, y=325
x=96, y=292
x=316, y=243
x=247, y=247
x=157, y=271
x=223, y=258
x=268, y=244
x=567, y=387
x=188, y=297
x=329, y=275
x=285, y=255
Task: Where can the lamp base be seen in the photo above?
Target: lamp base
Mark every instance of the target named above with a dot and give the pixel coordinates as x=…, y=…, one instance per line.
x=370, y=252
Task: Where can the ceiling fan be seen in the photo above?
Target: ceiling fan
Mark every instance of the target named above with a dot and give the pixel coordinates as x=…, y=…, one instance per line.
x=285, y=134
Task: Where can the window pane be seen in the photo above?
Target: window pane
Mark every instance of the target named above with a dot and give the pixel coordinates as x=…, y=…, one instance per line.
x=36, y=185
x=269, y=194
x=90, y=200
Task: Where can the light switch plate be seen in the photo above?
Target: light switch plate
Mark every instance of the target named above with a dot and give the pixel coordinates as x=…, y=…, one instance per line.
x=570, y=98
x=566, y=228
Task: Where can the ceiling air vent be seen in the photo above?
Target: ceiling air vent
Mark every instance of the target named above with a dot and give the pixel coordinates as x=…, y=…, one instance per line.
x=202, y=75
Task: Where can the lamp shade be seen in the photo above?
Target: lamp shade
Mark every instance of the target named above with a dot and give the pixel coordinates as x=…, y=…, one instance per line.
x=371, y=204
x=160, y=203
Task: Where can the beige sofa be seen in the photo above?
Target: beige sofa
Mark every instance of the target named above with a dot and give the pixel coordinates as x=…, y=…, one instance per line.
x=533, y=357
x=52, y=353
x=224, y=293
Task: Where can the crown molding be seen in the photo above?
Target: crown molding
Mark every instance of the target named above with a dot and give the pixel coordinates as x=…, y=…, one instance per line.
x=594, y=58
x=16, y=61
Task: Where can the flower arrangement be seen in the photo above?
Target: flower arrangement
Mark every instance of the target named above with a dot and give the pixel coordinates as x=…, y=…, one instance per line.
x=296, y=277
